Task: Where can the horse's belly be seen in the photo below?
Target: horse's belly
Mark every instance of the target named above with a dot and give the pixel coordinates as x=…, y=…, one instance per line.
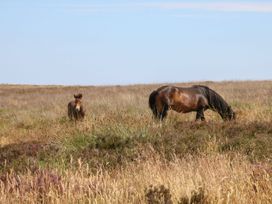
x=183, y=102
x=182, y=108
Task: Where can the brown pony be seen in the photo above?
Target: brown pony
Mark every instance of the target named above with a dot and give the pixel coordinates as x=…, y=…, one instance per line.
x=196, y=98
x=75, y=108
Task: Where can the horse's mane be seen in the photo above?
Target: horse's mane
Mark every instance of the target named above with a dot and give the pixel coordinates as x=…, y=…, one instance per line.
x=216, y=102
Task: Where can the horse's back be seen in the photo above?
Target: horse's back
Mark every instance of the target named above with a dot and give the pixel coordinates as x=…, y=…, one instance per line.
x=182, y=99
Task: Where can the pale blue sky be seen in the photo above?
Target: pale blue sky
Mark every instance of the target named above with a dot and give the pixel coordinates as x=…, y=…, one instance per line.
x=127, y=42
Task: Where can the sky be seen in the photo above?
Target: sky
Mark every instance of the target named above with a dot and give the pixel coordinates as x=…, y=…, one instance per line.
x=80, y=42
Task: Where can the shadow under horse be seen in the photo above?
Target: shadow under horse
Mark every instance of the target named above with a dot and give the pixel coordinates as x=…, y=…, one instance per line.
x=197, y=98
x=75, y=108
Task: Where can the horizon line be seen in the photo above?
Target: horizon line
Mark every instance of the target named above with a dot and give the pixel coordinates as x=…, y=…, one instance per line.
x=135, y=84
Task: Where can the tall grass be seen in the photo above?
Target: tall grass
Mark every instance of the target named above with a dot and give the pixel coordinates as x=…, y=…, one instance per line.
x=218, y=178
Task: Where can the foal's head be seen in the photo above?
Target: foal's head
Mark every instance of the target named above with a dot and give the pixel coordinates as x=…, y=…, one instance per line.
x=78, y=102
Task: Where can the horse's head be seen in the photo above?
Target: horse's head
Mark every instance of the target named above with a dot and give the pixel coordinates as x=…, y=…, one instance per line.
x=230, y=114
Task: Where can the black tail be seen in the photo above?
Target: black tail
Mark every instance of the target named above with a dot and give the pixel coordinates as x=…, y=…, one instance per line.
x=217, y=103
x=152, y=102
x=158, y=114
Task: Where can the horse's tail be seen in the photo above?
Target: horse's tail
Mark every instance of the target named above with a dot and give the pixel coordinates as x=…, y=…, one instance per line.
x=216, y=102
x=152, y=102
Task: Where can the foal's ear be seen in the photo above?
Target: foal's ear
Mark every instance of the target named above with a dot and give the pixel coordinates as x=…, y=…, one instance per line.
x=78, y=96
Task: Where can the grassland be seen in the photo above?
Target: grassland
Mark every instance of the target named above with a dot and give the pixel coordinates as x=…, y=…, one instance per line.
x=119, y=154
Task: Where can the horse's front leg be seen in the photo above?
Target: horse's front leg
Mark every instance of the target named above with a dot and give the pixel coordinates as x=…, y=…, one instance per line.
x=200, y=115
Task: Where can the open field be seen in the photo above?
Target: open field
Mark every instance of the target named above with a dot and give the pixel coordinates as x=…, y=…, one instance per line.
x=119, y=154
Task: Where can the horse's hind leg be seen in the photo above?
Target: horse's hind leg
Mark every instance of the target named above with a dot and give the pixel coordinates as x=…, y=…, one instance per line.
x=163, y=113
x=161, y=110
x=200, y=115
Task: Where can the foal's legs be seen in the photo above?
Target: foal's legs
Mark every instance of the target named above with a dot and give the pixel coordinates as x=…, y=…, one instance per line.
x=200, y=114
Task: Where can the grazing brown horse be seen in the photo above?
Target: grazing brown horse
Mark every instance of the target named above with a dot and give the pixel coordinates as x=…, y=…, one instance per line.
x=75, y=108
x=196, y=98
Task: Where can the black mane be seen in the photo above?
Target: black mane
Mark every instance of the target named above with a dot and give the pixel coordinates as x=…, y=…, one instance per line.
x=216, y=102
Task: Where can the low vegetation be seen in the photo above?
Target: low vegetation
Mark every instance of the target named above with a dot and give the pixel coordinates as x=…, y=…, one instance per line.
x=119, y=154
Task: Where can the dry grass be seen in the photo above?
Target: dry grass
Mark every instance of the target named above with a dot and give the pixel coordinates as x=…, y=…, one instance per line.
x=218, y=178
x=119, y=151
